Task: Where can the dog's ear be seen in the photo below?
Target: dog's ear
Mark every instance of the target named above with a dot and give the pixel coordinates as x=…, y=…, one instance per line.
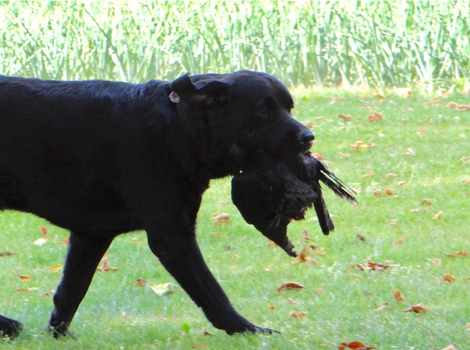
x=203, y=92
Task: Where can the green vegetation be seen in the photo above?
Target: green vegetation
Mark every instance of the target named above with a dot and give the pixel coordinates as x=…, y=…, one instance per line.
x=326, y=43
x=118, y=313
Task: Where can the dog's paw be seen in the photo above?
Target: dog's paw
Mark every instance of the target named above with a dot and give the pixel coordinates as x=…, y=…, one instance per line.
x=10, y=328
x=60, y=331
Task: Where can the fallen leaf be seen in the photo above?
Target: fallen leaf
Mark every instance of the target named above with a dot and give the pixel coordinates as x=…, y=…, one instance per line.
x=55, y=268
x=355, y=345
x=206, y=333
x=368, y=174
x=399, y=242
x=345, y=117
x=298, y=315
x=458, y=107
x=164, y=288
x=7, y=253
x=375, y=116
x=392, y=175
x=404, y=92
x=466, y=181
x=401, y=183
x=343, y=155
x=439, y=215
x=220, y=218
x=465, y=159
x=302, y=257
x=448, y=278
x=380, y=308
x=462, y=253
x=336, y=100
x=40, y=241
x=24, y=278
x=48, y=293
x=290, y=286
x=44, y=231
x=310, y=125
x=319, y=156
x=392, y=222
x=437, y=261
x=361, y=145
x=389, y=192
x=272, y=308
x=105, y=266
x=376, y=266
x=141, y=282
x=201, y=346
x=410, y=152
x=427, y=201
x=420, y=308
x=421, y=132
x=361, y=238
x=450, y=347
x=32, y=289
x=467, y=326
x=319, y=290
x=398, y=296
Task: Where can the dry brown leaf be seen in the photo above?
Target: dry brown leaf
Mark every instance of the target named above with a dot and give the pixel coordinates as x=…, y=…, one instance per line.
x=24, y=278
x=465, y=159
x=450, y=347
x=410, y=152
x=336, y=100
x=44, y=231
x=319, y=290
x=206, y=333
x=345, y=117
x=360, y=237
x=380, y=308
x=466, y=181
x=48, y=293
x=389, y=192
x=421, y=132
x=427, y=201
x=7, y=253
x=437, y=261
x=343, y=155
x=32, y=289
x=310, y=125
x=461, y=253
x=404, y=92
x=448, y=278
x=361, y=145
x=141, y=282
x=302, y=257
x=368, y=174
x=290, y=286
x=272, y=308
x=55, y=268
x=220, y=218
x=398, y=296
x=105, y=266
x=401, y=183
x=420, y=308
x=458, y=107
x=298, y=315
x=376, y=266
x=439, y=215
x=399, y=242
x=375, y=116
x=319, y=156
x=355, y=345
x=200, y=345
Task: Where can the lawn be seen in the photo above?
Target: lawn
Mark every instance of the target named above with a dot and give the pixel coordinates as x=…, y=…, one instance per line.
x=408, y=162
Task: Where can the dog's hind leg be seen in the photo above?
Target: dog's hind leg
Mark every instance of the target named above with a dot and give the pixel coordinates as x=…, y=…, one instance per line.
x=83, y=256
x=9, y=327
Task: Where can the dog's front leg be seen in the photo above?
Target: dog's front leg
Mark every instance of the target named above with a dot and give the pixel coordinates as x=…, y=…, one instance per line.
x=83, y=256
x=179, y=253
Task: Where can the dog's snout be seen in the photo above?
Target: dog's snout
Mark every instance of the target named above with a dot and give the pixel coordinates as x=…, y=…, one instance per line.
x=306, y=136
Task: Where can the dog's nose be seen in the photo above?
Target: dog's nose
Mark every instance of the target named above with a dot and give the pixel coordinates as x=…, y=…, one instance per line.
x=306, y=136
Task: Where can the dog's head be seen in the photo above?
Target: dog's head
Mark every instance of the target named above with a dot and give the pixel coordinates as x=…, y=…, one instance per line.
x=246, y=112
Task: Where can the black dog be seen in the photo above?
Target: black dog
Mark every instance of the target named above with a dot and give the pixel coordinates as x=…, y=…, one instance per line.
x=103, y=158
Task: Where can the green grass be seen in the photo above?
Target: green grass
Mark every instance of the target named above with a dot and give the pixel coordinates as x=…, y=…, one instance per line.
x=250, y=270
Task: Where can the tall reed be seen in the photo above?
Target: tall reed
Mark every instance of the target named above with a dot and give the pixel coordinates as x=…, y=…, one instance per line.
x=326, y=43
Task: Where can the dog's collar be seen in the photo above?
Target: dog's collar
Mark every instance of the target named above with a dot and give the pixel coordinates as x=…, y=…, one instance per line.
x=174, y=97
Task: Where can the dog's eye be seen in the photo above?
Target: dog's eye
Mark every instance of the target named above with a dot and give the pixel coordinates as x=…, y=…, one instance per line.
x=263, y=110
